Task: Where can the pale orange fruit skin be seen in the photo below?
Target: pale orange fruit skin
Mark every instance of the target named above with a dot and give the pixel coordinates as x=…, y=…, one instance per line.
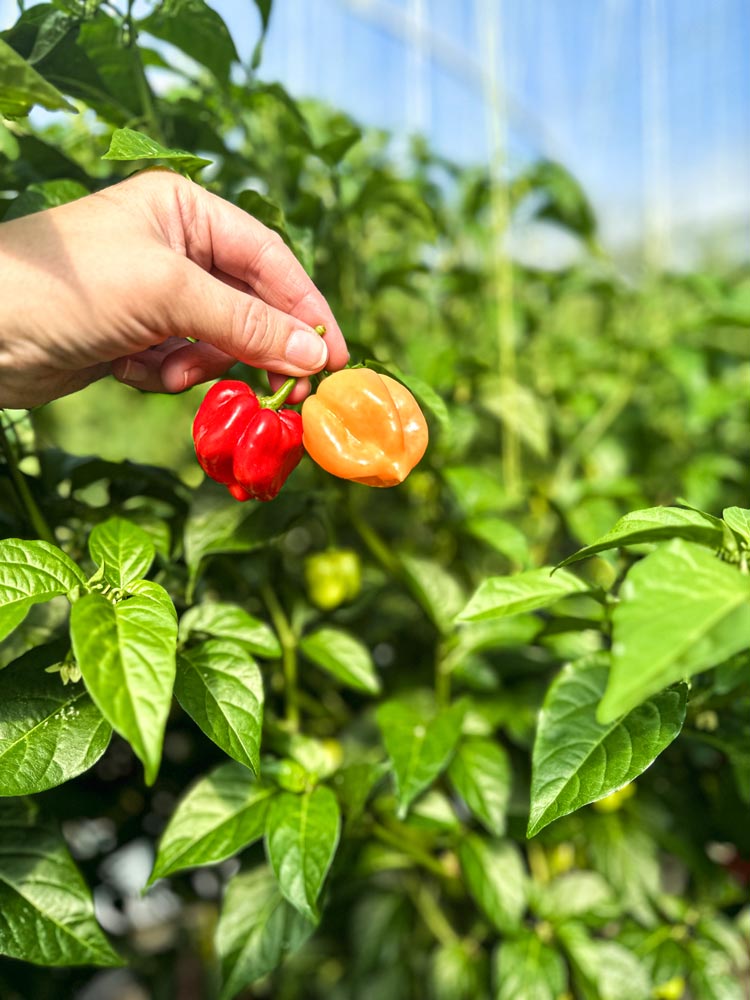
x=364, y=427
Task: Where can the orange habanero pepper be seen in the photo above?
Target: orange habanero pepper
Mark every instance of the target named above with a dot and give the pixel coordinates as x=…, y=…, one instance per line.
x=365, y=427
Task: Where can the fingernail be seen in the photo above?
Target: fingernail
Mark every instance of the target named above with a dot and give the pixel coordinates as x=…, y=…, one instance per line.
x=192, y=377
x=306, y=350
x=134, y=371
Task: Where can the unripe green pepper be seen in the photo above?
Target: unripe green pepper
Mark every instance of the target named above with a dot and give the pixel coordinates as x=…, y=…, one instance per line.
x=333, y=577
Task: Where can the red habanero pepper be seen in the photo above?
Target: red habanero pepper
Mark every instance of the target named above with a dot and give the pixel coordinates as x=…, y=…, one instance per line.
x=245, y=442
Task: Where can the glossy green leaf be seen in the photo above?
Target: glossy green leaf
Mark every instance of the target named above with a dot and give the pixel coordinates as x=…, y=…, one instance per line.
x=196, y=29
x=681, y=610
x=126, y=653
x=419, y=743
x=22, y=87
x=738, y=519
x=344, y=657
x=50, y=732
x=257, y=929
x=220, y=686
x=229, y=621
x=526, y=967
x=46, y=910
x=123, y=550
x=498, y=596
x=302, y=833
x=221, y=814
x=481, y=774
x=438, y=591
x=46, y=194
x=127, y=144
x=576, y=759
x=656, y=524
x=496, y=879
x=31, y=572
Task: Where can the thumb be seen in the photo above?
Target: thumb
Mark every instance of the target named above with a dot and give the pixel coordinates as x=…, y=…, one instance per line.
x=242, y=325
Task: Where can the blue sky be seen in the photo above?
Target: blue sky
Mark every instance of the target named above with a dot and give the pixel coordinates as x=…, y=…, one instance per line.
x=646, y=101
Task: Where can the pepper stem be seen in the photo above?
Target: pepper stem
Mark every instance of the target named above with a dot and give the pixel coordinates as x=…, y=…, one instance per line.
x=277, y=400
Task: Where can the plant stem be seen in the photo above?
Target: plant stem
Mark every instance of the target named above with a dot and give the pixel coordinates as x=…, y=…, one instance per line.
x=144, y=89
x=432, y=915
x=35, y=516
x=277, y=400
x=288, y=642
x=386, y=836
x=442, y=678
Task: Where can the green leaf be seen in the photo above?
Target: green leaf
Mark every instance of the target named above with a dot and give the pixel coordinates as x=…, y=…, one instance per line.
x=302, y=833
x=526, y=967
x=519, y=410
x=419, y=742
x=681, y=610
x=501, y=535
x=196, y=29
x=46, y=194
x=218, y=524
x=574, y=894
x=220, y=815
x=49, y=732
x=355, y=783
x=21, y=87
x=220, y=686
x=229, y=621
x=53, y=30
x=480, y=773
x=738, y=520
x=128, y=144
x=576, y=759
x=437, y=590
x=46, y=910
x=656, y=524
x=455, y=973
x=126, y=653
x=627, y=856
x=610, y=969
x=123, y=550
x=32, y=572
x=257, y=929
x=495, y=878
x=499, y=596
x=342, y=656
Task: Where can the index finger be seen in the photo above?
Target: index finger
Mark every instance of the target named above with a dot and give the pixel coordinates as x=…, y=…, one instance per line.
x=225, y=237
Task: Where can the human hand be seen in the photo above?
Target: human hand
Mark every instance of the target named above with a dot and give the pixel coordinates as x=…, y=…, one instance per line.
x=115, y=282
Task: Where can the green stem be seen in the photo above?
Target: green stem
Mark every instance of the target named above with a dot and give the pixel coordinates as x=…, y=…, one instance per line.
x=144, y=89
x=433, y=917
x=386, y=836
x=277, y=400
x=35, y=516
x=442, y=678
x=288, y=642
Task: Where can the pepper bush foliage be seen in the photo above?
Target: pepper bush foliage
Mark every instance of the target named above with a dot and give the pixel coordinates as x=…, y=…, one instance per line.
x=482, y=735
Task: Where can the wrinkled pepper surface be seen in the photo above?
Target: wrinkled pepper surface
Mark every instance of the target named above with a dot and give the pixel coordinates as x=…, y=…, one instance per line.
x=244, y=444
x=365, y=427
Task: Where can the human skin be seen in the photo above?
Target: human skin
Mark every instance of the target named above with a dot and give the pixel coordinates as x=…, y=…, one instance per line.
x=115, y=282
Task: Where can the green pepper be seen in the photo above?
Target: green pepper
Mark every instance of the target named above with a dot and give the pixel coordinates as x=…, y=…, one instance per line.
x=333, y=577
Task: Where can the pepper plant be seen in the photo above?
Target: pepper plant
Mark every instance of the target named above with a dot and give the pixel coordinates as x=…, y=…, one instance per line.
x=482, y=734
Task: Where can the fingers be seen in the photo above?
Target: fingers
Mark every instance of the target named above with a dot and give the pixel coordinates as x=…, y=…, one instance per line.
x=172, y=366
x=240, y=325
x=242, y=247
